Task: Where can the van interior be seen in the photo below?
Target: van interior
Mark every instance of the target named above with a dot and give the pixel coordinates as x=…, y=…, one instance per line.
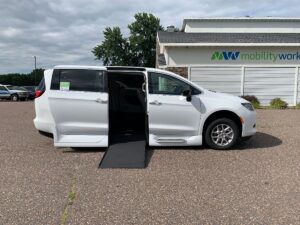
x=127, y=106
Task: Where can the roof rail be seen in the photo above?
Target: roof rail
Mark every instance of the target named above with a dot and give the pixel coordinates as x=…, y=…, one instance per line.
x=128, y=68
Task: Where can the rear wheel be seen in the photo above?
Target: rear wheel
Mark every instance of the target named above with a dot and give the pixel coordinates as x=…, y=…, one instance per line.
x=222, y=134
x=15, y=98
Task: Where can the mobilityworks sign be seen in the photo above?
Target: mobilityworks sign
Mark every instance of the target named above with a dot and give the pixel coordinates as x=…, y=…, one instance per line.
x=254, y=56
x=225, y=55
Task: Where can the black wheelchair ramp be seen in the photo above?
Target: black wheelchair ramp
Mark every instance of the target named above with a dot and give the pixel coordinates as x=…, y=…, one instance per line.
x=125, y=151
x=127, y=121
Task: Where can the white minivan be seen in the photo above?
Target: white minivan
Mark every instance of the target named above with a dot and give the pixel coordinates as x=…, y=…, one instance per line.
x=84, y=106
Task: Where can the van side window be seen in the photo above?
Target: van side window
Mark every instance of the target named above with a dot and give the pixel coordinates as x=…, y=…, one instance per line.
x=78, y=80
x=167, y=85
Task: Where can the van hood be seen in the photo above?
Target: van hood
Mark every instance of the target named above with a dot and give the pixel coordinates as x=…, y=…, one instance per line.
x=224, y=96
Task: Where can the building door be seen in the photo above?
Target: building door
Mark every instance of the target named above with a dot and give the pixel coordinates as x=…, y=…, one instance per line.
x=216, y=78
x=267, y=83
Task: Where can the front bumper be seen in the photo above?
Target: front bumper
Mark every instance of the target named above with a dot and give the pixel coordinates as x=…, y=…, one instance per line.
x=249, y=125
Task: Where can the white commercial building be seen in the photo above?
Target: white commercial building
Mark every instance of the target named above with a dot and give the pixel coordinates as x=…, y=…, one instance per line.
x=243, y=56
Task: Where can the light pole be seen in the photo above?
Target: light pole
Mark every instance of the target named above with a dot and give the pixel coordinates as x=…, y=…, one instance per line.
x=34, y=70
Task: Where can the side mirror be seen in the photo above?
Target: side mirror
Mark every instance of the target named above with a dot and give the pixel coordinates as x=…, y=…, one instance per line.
x=188, y=95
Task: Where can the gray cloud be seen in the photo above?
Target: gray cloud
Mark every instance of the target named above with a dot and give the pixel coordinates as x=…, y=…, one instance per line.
x=65, y=31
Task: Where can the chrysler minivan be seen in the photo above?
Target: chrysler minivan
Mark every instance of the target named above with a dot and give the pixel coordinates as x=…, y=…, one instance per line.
x=84, y=106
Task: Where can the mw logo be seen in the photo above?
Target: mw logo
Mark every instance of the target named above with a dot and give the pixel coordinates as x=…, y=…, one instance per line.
x=225, y=55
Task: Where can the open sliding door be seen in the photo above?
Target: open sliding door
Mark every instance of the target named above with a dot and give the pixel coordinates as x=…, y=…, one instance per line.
x=79, y=105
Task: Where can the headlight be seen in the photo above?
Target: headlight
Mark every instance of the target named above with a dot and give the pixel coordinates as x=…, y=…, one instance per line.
x=248, y=106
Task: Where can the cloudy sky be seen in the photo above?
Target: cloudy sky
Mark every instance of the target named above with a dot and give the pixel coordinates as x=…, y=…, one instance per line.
x=65, y=31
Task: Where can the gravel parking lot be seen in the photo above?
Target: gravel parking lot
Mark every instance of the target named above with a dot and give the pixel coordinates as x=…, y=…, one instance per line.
x=257, y=183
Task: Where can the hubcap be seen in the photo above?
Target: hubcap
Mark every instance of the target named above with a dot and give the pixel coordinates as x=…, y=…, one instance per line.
x=222, y=134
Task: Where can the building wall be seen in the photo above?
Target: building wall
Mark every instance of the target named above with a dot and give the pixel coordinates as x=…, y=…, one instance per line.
x=265, y=78
x=182, y=71
x=265, y=71
x=242, y=26
x=157, y=51
x=298, y=89
x=222, y=79
x=265, y=82
x=182, y=56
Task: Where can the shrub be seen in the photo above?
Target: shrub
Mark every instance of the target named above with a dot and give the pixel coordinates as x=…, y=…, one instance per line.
x=253, y=99
x=298, y=106
x=277, y=103
x=256, y=105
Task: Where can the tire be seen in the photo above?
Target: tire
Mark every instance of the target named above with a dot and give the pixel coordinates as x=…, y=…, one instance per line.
x=222, y=134
x=14, y=98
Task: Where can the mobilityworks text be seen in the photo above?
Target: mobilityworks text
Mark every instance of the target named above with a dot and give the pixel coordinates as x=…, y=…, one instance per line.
x=255, y=56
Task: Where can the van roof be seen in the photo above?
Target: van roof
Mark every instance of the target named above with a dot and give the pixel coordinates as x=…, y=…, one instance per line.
x=126, y=68
x=116, y=68
x=79, y=67
x=131, y=68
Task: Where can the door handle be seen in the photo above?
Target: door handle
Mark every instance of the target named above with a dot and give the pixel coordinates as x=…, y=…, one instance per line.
x=155, y=102
x=99, y=100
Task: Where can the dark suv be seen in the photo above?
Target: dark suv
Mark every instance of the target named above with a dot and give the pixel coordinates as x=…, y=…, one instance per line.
x=31, y=91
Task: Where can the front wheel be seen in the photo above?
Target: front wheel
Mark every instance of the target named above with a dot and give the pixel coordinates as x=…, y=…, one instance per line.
x=15, y=98
x=222, y=134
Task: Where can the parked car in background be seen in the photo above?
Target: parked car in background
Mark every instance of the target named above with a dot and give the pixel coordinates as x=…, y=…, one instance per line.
x=31, y=91
x=14, y=93
x=4, y=93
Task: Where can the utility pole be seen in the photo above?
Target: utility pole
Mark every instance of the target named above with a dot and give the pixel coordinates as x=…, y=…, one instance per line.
x=34, y=70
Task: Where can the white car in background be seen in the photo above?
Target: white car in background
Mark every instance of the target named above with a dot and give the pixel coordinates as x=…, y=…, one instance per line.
x=84, y=106
x=13, y=93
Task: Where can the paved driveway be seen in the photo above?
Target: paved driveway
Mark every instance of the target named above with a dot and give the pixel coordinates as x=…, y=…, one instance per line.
x=257, y=183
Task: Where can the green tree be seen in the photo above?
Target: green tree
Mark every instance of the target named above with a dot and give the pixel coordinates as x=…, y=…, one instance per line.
x=35, y=76
x=114, y=49
x=22, y=79
x=136, y=50
x=143, y=39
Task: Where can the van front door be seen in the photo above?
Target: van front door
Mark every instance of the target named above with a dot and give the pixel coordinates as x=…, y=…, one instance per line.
x=173, y=118
x=79, y=105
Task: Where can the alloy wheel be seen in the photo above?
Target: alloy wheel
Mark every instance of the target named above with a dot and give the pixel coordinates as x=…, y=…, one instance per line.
x=222, y=134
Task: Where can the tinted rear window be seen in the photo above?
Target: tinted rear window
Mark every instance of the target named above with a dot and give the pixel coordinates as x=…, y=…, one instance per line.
x=78, y=80
x=41, y=86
